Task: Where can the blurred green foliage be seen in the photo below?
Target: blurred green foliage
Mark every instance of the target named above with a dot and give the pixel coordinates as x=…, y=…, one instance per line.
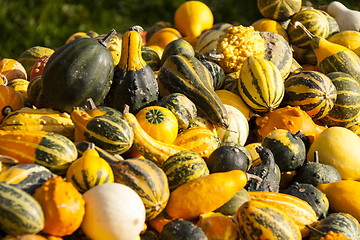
x=49, y=23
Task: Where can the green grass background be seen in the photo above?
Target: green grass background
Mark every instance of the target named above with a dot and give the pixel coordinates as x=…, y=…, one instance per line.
x=28, y=23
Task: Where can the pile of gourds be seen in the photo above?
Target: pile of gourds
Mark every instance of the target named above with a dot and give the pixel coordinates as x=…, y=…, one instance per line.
x=187, y=130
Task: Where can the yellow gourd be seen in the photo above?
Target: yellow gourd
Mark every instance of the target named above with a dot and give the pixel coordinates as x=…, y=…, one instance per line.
x=233, y=99
x=349, y=39
x=269, y=25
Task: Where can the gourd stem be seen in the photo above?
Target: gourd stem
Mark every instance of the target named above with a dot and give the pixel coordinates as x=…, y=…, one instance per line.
x=105, y=41
x=250, y=176
x=91, y=145
x=308, y=33
x=316, y=156
x=136, y=28
x=214, y=56
x=323, y=234
x=90, y=105
x=297, y=134
x=5, y=81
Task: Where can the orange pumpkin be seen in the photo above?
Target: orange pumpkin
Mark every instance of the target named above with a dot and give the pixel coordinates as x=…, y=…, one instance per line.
x=63, y=206
x=10, y=100
x=163, y=37
x=11, y=69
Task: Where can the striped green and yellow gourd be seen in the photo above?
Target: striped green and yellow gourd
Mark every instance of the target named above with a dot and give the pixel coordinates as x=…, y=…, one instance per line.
x=312, y=91
x=260, y=84
x=208, y=40
x=279, y=10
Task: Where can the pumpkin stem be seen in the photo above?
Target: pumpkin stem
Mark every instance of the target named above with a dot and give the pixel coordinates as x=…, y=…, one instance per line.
x=126, y=109
x=323, y=234
x=250, y=176
x=308, y=33
x=316, y=156
x=89, y=105
x=91, y=145
x=5, y=81
x=105, y=41
x=6, y=110
x=298, y=134
x=136, y=28
x=214, y=56
x=9, y=161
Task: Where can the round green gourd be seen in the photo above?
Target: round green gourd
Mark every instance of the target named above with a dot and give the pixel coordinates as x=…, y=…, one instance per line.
x=150, y=57
x=279, y=10
x=218, y=74
x=231, y=206
x=241, y=147
x=176, y=47
x=179, y=229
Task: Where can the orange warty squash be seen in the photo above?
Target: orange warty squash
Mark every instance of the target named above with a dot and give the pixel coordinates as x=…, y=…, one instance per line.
x=63, y=206
x=11, y=69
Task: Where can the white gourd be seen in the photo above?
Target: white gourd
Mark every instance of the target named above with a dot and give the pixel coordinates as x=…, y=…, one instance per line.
x=347, y=19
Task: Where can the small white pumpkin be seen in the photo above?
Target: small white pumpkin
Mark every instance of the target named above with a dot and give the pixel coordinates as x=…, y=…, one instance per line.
x=113, y=211
x=238, y=130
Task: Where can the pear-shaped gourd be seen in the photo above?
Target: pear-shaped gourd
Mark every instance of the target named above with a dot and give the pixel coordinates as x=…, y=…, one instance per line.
x=346, y=18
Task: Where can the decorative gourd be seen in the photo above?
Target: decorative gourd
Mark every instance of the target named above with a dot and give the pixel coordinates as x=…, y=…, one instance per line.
x=313, y=196
x=187, y=75
x=298, y=210
x=183, y=167
x=42, y=119
x=288, y=149
x=148, y=147
x=238, y=129
x=163, y=37
x=29, y=237
x=259, y=220
x=343, y=223
x=178, y=46
x=105, y=218
x=218, y=226
x=198, y=139
x=205, y=194
x=192, y=18
x=182, y=107
x=316, y=173
x=89, y=171
x=348, y=38
x=77, y=35
x=151, y=57
x=231, y=206
x=50, y=150
x=314, y=20
x=156, y=27
x=278, y=51
x=19, y=85
x=147, y=180
x=229, y=98
x=159, y=122
x=330, y=235
x=65, y=87
x=182, y=229
x=279, y=10
x=82, y=146
x=270, y=25
x=207, y=41
x=35, y=94
x=333, y=25
x=348, y=19
x=241, y=148
x=26, y=217
x=63, y=206
x=109, y=132
x=11, y=69
x=10, y=101
x=336, y=146
x=38, y=67
x=134, y=82
x=267, y=170
x=251, y=147
x=231, y=82
x=346, y=106
x=31, y=55
x=217, y=73
x=114, y=46
x=26, y=177
x=335, y=193
x=260, y=84
x=313, y=91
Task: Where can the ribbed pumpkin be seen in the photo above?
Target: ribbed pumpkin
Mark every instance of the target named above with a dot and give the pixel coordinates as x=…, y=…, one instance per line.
x=279, y=10
x=260, y=84
x=313, y=91
x=147, y=180
x=347, y=104
x=207, y=41
x=159, y=122
x=89, y=171
x=314, y=20
x=63, y=206
x=11, y=69
x=31, y=55
x=10, y=100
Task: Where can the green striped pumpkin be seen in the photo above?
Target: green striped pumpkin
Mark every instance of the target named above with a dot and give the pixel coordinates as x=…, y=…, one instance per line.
x=178, y=46
x=208, y=40
x=231, y=206
x=258, y=220
x=314, y=20
x=26, y=177
x=151, y=57
x=217, y=73
x=20, y=213
x=279, y=10
x=146, y=179
x=347, y=104
x=183, y=167
x=187, y=75
x=31, y=55
x=260, y=84
x=312, y=91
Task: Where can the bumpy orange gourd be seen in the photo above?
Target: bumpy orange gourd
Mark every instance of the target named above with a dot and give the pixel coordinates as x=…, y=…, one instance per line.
x=63, y=206
x=11, y=69
x=192, y=18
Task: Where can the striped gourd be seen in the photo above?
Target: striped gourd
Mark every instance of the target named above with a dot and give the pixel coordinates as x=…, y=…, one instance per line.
x=183, y=167
x=151, y=57
x=109, y=131
x=82, y=146
x=314, y=20
x=50, y=150
x=187, y=75
x=178, y=46
x=147, y=180
x=258, y=220
x=217, y=73
x=208, y=40
x=231, y=206
x=20, y=213
x=279, y=10
x=260, y=84
x=26, y=177
x=347, y=104
x=312, y=91
x=31, y=55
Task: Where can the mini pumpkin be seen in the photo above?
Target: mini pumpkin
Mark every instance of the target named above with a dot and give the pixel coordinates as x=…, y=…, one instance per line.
x=10, y=100
x=11, y=69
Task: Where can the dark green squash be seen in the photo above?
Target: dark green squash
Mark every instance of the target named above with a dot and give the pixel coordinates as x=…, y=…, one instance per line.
x=35, y=95
x=231, y=206
x=309, y=193
x=179, y=229
x=134, y=83
x=217, y=73
x=242, y=148
x=288, y=149
x=76, y=71
x=267, y=170
x=149, y=235
x=151, y=57
x=178, y=46
x=187, y=75
x=316, y=173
